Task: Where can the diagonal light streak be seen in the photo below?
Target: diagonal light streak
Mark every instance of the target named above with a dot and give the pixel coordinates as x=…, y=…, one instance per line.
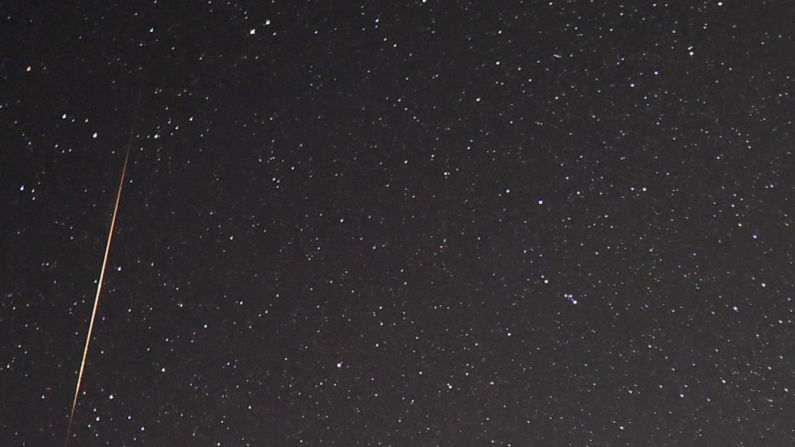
x=99, y=292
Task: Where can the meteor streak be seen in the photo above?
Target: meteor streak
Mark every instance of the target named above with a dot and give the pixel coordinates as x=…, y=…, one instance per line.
x=99, y=291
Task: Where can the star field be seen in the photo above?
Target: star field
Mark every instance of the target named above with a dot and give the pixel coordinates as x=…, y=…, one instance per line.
x=416, y=223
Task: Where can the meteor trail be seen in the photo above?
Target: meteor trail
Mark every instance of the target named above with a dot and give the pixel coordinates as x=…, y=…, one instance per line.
x=99, y=290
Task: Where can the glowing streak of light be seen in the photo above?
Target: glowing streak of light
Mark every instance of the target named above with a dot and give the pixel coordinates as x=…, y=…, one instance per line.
x=99, y=292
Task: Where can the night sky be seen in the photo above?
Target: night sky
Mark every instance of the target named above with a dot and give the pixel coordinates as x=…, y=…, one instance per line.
x=413, y=223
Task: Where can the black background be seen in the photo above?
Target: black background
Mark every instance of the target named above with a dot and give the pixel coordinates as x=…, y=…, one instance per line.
x=398, y=223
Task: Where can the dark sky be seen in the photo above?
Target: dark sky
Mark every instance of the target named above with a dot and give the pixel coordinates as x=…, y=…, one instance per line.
x=413, y=223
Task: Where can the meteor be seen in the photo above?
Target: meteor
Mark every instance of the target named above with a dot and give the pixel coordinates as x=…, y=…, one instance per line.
x=99, y=290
